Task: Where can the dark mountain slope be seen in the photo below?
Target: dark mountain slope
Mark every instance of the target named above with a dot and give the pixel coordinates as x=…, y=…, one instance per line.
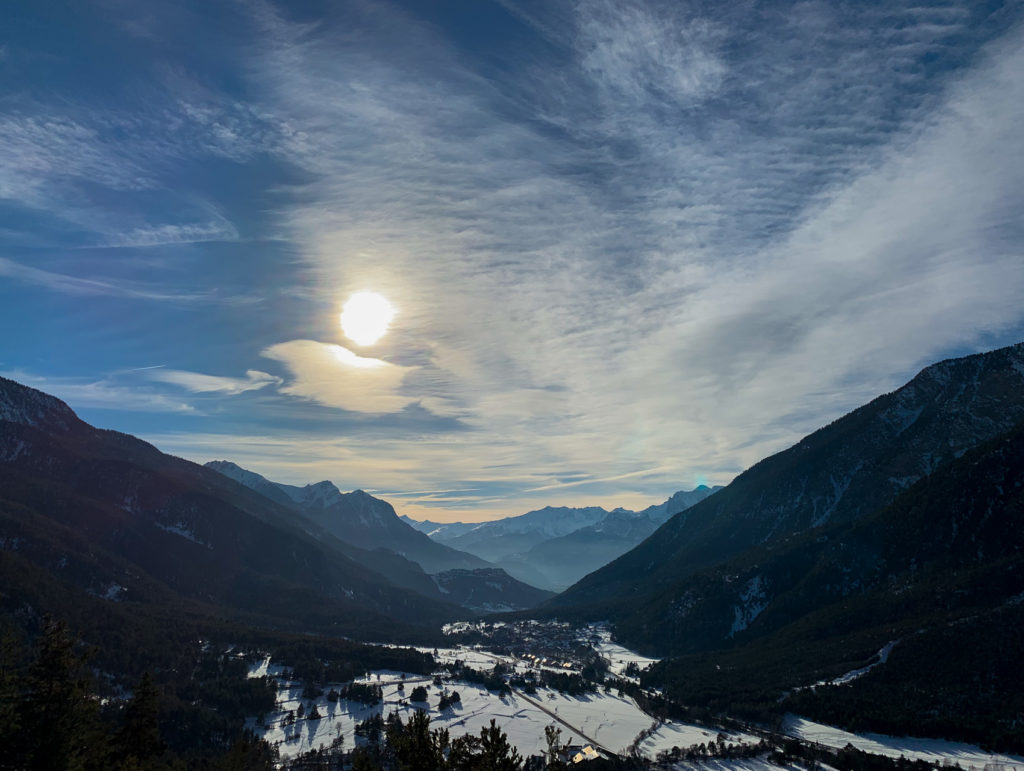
x=106, y=513
x=844, y=471
x=360, y=517
x=939, y=571
x=488, y=590
x=356, y=518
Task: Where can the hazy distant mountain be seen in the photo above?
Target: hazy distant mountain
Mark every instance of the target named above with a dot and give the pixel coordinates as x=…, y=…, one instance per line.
x=554, y=547
x=357, y=518
x=439, y=530
x=502, y=538
x=91, y=516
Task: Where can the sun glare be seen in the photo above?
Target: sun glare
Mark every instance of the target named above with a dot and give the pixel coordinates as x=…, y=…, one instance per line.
x=365, y=317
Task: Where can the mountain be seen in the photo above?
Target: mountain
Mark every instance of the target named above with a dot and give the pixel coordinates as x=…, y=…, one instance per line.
x=870, y=576
x=91, y=518
x=488, y=590
x=679, y=501
x=564, y=560
x=501, y=538
x=356, y=518
x=840, y=473
x=373, y=534
x=439, y=530
x=934, y=580
x=554, y=547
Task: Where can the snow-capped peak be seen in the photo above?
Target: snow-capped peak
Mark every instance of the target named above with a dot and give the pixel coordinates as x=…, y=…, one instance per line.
x=319, y=495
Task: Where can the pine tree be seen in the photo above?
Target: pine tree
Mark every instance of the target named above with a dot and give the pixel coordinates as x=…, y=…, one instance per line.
x=12, y=655
x=60, y=721
x=496, y=752
x=140, y=735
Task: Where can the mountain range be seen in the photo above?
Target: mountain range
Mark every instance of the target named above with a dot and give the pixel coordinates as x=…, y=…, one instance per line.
x=385, y=541
x=897, y=527
x=554, y=547
x=357, y=518
x=92, y=516
x=96, y=523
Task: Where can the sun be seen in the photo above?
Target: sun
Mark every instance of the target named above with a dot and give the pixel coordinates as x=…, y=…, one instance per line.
x=365, y=317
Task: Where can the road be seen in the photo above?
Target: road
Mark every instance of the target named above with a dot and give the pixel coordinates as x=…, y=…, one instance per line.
x=539, y=705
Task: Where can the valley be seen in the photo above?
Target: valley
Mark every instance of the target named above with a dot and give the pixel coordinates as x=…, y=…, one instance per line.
x=852, y=580
x=604, y=709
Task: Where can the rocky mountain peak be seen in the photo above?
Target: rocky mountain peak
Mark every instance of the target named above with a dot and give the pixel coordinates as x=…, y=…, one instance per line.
x=27, y=406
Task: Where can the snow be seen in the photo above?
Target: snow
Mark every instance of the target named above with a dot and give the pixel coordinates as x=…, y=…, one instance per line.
x=753, y=601
x=319, y=494
x=883, y=656
x=113, y=592
x=522, y=722
x=669, y=735
x=735, y=764
x=618, y=658
x=264, y=669
x=937, y=751
x=21, y=404
x=608, y=720
x=180, y=528
x=13, y=450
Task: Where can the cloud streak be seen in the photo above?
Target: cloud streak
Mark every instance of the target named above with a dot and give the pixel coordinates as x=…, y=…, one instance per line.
x=74, y=285
x=197, y=382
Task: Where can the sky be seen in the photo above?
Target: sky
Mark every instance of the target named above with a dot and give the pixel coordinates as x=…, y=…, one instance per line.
x=631, y=247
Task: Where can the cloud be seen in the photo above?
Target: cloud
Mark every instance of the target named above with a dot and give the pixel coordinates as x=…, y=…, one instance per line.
x=188, y=233
x=335, y=376
x=60, y=282
x=200, y=383
x=633, y=236
x=104, y=393
x=671, y=239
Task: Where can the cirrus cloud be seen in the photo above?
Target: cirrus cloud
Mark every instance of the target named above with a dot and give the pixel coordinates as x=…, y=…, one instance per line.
x=197, y=382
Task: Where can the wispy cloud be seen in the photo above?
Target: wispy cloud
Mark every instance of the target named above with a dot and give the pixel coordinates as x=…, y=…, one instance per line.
x=104, y=393
x=60, y=282
x=654, y=241
x=200, y=383
x=684, y=245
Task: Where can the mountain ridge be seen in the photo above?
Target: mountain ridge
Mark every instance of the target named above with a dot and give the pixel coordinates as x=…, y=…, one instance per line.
x=849, y=468
x=357, y=518
x=554, y=546
x=180, y=533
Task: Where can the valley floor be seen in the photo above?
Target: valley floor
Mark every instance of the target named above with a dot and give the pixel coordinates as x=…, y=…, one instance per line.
x=607, y=719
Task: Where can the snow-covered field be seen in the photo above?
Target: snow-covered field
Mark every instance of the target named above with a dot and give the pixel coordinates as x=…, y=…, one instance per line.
x=669, y=735
x=520, y=720
x=618, y=658
x=935, y=751
x=612, y=721
x=735, y=764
